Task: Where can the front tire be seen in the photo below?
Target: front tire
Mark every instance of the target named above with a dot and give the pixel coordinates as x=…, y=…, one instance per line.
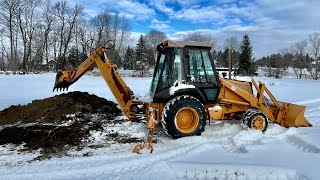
x=183, y=116
x=254, y=119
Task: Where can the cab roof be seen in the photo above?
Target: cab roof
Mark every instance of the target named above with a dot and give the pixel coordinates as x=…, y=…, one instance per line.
x=182, y=44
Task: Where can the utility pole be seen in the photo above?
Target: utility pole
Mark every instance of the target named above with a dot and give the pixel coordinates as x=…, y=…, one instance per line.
x=229, y=63
x=269, y=67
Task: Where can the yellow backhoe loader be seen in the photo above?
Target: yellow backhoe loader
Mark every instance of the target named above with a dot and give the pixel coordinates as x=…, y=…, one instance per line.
x=186, y=91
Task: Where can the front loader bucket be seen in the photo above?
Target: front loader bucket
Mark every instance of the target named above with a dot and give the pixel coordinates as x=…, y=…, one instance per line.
x=294, y=116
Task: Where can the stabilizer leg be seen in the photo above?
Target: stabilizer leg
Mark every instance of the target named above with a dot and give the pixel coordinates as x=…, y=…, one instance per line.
x=147, y=143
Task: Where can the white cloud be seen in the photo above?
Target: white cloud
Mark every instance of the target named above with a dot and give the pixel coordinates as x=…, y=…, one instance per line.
x=132, y=9
x=163, y=5
x=239, y=28
x=161, y=25
x=200, y=14
x=271, y=24
x=160, y=5
x=138, y=10
x=134, y=38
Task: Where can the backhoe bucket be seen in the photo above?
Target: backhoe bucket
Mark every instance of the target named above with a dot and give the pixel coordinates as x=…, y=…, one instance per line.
x=294, y=116
x=62, y=81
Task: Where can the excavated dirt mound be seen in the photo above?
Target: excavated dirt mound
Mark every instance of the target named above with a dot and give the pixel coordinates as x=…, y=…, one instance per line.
x=55, y=122
x=55, y=109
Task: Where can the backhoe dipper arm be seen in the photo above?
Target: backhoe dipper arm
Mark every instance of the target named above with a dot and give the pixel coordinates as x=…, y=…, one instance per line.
x=67, y=77
x=109, y=72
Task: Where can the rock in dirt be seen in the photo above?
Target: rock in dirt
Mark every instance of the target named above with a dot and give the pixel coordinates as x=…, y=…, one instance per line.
x=57, y=121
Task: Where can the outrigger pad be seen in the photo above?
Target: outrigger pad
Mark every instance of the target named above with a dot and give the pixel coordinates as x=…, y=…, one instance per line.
x=295, y=116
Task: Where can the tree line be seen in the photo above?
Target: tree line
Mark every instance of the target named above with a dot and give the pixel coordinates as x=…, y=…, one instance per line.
x=240, y=55
x=302, y=56
x=33, y=32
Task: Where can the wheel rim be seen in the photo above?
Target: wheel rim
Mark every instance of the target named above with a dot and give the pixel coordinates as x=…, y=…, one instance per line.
x=187, y=120
x=257, y=123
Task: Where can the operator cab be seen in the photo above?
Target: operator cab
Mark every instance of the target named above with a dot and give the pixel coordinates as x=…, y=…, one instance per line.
x=184, y=68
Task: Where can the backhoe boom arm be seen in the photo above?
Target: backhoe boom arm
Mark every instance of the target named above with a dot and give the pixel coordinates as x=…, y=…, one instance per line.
x=110, y=74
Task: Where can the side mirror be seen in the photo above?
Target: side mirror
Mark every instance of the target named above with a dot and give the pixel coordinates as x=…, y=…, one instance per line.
x=187, y=54
x=160, y=48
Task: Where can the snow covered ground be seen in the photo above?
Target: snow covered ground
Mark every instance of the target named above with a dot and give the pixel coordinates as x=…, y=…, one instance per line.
x=224, y=151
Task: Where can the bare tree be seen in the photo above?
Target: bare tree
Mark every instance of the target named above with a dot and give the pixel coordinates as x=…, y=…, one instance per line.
x=7, y=16
x=101, y=23
x=232, y=44
x=115, y=27
x=3, y=51
x=67, y=18
x=198, y=36
x=110, y=27
x=83, y=35
x=27, y=19
x=60, y=11
x=35, y=31
x=48, y=20
x=286, y=57
x=299, y=62
x=153, y=38
x=124, y=34
x=314, y=41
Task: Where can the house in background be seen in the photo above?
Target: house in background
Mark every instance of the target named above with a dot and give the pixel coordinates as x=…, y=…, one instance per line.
x=51, y=66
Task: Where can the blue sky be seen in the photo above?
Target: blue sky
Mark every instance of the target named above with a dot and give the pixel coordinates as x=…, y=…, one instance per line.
x=271, y=24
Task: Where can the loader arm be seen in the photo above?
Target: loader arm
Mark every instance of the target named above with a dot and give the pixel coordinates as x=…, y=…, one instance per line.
x=110, y=74
x=282, y=113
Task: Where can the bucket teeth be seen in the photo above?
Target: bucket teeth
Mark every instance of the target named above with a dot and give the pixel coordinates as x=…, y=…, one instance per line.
x=58, y=89
x=62, y=86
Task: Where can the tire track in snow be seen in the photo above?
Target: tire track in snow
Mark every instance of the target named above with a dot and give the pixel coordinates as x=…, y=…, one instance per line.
x=230, y=146
x=312, y=111
x=136, y=166
x=302, y=145
x=120, y=166
x=310, y=101
x=275, y=130
x=311, y=106
x=217, y=136
x=228, y=132
x=232, y=172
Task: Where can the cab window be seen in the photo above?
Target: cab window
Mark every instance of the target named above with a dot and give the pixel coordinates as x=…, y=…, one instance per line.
x=201, y=69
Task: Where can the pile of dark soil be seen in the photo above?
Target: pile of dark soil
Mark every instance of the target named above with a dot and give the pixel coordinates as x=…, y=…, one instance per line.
x=55, y=109
x=55, y=122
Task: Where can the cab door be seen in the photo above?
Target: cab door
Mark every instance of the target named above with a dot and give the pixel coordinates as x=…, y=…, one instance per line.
x=201, y=72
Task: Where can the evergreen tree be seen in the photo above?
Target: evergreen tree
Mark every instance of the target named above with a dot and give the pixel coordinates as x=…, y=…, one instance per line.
x=75, y=58
x=141, y=56
x=245, y=59
x=222, y=58
x=150, y=56
x=129, y=59
x=114, y=56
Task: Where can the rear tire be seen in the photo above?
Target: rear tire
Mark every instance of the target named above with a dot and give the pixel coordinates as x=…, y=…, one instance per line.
x=183, y=116
x=254, y=119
